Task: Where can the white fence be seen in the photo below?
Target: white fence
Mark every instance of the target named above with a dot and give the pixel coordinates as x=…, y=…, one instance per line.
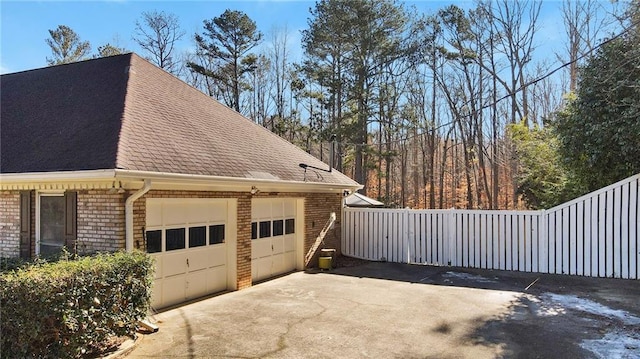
x=595, y=235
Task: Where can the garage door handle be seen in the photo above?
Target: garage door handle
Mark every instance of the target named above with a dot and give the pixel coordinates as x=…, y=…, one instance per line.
x=187, y=262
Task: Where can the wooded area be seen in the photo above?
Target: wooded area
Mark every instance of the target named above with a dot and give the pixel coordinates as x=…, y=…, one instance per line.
x=445, y=110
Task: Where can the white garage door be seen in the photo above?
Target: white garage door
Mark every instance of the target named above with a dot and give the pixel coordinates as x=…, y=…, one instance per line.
x=274, y=240
x=192, y=241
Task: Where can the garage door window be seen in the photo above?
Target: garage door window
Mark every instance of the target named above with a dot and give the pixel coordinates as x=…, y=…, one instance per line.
x=216, y=234
x=290, y=226
x=265, y=229
x=278, y=227
x=273, y=228
x=197, y=236
x=175, y=239
x=154, y=241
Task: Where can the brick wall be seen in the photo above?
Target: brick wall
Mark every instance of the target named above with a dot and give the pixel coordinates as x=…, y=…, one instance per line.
x=100, y=216
x=9, y=224
x=317, y=208
x=244, y=242
x=101, y=221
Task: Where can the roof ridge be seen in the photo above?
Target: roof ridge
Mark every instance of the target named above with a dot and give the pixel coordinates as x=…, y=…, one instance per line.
x=68, y=64
x=120, y=151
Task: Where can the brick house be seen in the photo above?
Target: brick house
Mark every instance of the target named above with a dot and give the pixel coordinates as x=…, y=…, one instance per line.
x=115, y=153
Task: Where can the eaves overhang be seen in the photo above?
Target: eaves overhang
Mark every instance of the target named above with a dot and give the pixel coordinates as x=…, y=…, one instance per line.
x=131, y=179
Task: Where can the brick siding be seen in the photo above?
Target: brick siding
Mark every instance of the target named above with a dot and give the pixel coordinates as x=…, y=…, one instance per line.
x=101, y=221
x=317, y=209
x=10, y=224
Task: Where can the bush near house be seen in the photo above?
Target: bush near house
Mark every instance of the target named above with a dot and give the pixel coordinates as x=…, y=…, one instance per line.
x=71, y=308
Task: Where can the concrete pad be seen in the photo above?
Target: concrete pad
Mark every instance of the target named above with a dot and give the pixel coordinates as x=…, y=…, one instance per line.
x=377, y=310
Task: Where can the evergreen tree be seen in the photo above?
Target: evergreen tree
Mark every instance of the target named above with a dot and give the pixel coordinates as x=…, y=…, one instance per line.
x=599, y=130
x=66, y=46
x=228, y=40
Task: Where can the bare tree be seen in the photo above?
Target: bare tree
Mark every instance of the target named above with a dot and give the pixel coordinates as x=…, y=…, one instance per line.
x=279, y=56
x=582, y=27
x=157, y=33
x=259, y=105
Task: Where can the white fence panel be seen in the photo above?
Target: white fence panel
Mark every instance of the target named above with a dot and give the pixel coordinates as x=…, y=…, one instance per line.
x=634, y=230
x=595, y=235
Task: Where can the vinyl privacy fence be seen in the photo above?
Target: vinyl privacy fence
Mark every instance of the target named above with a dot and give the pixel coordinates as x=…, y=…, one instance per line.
x=595, y=235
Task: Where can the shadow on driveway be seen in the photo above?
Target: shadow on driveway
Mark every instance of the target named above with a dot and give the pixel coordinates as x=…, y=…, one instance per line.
x=553, y=316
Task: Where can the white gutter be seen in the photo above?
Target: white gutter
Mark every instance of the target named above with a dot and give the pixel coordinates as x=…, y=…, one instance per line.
x=159, y=178
x=239, y=183
x=128, y=213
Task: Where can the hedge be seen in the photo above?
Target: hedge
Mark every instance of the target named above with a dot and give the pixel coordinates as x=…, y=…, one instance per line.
x=70, y=308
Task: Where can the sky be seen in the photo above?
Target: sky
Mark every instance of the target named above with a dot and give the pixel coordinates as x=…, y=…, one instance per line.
x=25, y=24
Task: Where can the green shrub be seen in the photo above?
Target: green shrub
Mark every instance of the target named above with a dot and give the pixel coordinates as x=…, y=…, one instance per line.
x=70, y=308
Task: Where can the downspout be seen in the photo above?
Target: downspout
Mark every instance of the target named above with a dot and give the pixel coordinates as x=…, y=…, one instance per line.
x=128, y=213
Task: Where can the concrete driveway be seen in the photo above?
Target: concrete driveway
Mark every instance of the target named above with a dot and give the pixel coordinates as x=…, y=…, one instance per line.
x=385, y=310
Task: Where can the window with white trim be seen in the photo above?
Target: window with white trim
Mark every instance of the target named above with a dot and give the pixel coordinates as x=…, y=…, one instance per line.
x=50, y=235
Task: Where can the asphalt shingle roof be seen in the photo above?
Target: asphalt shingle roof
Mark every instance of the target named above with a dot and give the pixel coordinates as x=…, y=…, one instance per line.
x=122, y=112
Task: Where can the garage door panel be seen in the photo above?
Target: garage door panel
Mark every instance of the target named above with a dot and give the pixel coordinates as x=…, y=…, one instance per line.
x=261, y=248
x=173, y=290
x=174, y=263
x=289, y=243
x=158, y=267
x=263, y=267
x=278, y=263
x=217, y=212
x=198, y=259
x=260, y=209
x=290, y=260
x=197, y=283
x=156, y=293
x=290, y=208
x=278, y=244
x=175, y=214
x=217, y=255
x=277, y=209
x=199, y=212
x=254, y=269
x=217, y=279
x=154, y=213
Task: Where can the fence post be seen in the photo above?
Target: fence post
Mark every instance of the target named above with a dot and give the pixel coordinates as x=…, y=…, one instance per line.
x=450, y=228
x=405, y=232
x=543, y=243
